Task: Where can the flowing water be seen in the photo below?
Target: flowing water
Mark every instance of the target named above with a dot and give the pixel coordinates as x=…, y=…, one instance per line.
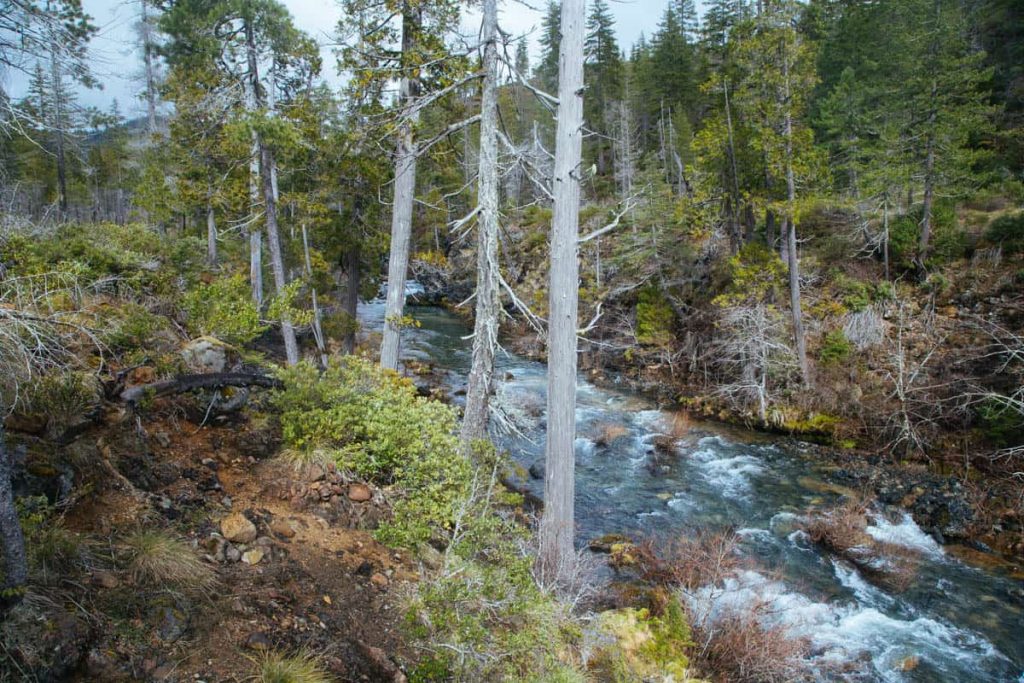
x=955, y=622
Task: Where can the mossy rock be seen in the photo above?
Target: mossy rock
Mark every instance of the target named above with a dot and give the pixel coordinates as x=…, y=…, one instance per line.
x=604, y=544
x=632, y=646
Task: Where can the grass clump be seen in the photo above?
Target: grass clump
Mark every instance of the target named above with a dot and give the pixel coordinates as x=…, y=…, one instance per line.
x=53, y=551
x=275, y=667
x=157, y=559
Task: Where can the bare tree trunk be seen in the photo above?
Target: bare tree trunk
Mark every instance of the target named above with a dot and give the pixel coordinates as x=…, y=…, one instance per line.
x=929, y=184
x=291, y=346
x=734, y=205
x=318, y=331
x=147, y=60
x=351, y=297
x=485, y=327
x=252, y=96
x=60, y=123
x=15, y=560
x=789, y=226
x=558, y=525
x=401, y=206
x=211, y=236
x=885, y=237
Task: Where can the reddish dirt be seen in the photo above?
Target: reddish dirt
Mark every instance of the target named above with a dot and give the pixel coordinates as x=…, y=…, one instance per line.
x=322, y=587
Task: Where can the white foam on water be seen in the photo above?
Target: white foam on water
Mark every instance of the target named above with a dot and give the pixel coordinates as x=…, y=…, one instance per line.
x=850, y=631
x=867, y=594
x=584, y=447
x=650, y=419
x=681, y=503
x=731, y=475
x=904, y=532
x=706, y=441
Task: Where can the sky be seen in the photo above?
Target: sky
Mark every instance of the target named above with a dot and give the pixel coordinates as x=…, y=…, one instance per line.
x=117, y=64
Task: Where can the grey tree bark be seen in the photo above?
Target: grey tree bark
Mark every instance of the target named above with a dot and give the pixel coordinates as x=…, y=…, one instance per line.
x=211, y=236
x=929, y=183
x=485, y=327
x=402, y=203
x=265, y=171
x=789, y=228
x=15, y=560
x=558, y=522
x=351, y=304
x=146, y=29
x=252, y=85
x=291, y=346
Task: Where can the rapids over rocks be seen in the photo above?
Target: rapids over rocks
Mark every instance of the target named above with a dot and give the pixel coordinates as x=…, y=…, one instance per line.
x=954, y=623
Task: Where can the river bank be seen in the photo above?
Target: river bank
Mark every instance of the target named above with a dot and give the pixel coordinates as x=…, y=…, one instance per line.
x=645, y=474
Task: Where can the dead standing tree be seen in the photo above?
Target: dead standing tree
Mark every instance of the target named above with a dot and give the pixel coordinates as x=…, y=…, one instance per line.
x=557, y=529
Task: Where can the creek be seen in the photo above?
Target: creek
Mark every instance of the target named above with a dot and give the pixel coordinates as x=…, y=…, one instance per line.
x=955, y=622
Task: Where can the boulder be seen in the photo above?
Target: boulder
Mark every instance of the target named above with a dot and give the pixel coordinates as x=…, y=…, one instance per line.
x=206, y=354
x=237, y=528
x=359, y=493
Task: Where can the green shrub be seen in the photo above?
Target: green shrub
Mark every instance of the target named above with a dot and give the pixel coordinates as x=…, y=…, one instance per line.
x=129, y=326
x=644, y=647
x=1000, y=424
x=755, y=274
x=654, y=318
x=53, y=551
x=948, y=240
x=223, y=309
x=1008, y=232
x=62, y=397
x=371, y=422
x=856, y=294
x=835, y=348
x=122, y=261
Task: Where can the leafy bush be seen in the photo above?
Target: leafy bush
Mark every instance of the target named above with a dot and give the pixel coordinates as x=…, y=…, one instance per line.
x=371, y=422
x=483, y=616
x=856, y=294
x=755, y=274
x=948, y=241
x=644, y=647
x=654, y=318
x=1001, y=425
x=223, y=309
x=1008, y=232
x=835, y=348
x=135, y=256
x=53, y=551
x=129, y=326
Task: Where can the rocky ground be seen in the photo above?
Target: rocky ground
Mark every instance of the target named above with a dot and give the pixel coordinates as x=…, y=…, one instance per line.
x=295, y=567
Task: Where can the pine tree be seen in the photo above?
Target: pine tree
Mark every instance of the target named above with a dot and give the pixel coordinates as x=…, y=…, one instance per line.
x=603, y=75
x=546, y=73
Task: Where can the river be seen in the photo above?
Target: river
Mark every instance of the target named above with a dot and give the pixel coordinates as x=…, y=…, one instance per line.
x=955, y=622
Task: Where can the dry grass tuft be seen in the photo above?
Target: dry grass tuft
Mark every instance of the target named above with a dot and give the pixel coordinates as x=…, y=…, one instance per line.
x=689, y=562
x=303, y=667
x=158, y=559
x=843, y=532
x=841, y=529
x=740, y=647
x=608, y=433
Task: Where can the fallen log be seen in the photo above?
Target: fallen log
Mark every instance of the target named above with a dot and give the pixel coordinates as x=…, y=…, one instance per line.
x=185, y=383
